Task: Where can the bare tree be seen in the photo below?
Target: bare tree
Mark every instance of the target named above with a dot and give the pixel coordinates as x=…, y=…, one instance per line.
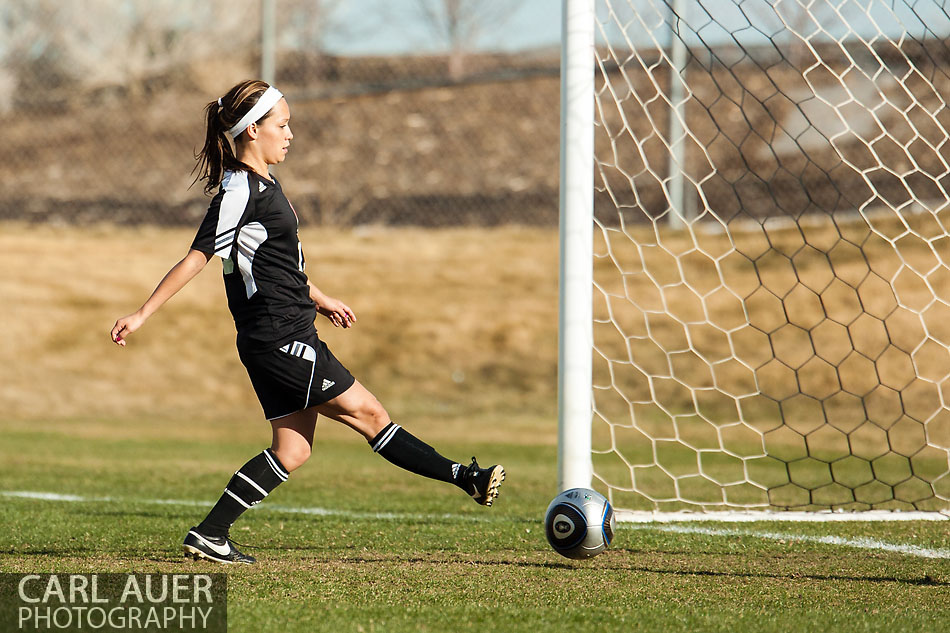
x=460, y=23
x=304, y=27
x=154, y=36
x=304, y=24
x=30, y=34
x=69, y=42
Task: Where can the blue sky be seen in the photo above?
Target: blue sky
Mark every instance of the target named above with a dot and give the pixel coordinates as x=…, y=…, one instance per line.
x=533, y=24
x=380, y=27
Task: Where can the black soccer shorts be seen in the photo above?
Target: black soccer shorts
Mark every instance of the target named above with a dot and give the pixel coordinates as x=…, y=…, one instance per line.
x=303, y=373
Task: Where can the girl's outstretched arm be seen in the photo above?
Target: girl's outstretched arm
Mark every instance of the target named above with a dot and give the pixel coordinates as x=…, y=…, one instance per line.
x=176, y=279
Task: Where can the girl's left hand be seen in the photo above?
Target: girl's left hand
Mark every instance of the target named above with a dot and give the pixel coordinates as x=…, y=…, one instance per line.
x=339, y=314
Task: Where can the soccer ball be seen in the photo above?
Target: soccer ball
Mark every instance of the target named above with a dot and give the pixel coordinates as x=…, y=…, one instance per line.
x=579, y=523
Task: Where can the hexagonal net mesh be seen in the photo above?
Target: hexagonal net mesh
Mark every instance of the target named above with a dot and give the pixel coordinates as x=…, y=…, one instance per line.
x=771, y=282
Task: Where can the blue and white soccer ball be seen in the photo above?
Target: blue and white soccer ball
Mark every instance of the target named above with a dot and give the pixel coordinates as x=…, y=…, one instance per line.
x=579, y=523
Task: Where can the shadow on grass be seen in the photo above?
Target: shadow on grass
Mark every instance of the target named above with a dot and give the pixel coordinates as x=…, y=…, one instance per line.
x=63, y=552
x=195, y=515
x=526, y=564
x=175, y=557
x=926, y=581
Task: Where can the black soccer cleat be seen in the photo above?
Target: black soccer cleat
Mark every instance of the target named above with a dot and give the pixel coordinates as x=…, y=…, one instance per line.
x=482, y=483
x=216, y=549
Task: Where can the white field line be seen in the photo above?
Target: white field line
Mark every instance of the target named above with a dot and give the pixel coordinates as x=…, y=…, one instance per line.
x=860, y=543
x=758, y=516
x=391, y=516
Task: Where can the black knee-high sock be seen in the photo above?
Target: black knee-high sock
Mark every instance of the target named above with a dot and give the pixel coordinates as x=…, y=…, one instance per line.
x=405, y=450
x=248, y=487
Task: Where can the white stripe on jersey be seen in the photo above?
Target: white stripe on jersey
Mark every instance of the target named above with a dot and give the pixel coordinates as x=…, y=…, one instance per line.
x=224, y=240
x=249, y=239
x=233, y=204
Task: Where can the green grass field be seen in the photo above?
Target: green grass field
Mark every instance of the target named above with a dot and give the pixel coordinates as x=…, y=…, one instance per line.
x=399, y=553
x=462, y=352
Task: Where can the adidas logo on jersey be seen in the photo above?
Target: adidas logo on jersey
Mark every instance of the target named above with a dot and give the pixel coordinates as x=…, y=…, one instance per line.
x=260, y=187
x=327, y=383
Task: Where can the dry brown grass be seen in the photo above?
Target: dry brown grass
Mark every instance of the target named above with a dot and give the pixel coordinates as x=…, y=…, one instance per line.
x=451, y=323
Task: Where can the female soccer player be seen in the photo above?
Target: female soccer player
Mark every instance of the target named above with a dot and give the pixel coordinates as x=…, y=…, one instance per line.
x=252, y=227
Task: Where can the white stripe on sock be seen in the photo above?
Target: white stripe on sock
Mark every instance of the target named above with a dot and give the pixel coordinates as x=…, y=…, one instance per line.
x=381, y=444
x=252, y=482
x=277, y=469
x=239, y=499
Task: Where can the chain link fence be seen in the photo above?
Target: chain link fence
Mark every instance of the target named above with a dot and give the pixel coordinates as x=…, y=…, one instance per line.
x=102, y=123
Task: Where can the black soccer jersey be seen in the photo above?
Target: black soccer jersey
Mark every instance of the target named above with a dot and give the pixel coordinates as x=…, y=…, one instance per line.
x=251, y=225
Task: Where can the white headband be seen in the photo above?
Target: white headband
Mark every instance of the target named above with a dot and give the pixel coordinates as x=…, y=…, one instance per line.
x=267, y=101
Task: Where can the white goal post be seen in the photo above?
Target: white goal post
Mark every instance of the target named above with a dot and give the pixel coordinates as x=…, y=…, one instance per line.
x=575, y=325
x=755, y=258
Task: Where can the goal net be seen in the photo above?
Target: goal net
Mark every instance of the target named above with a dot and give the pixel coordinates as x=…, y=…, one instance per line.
x=771, y=291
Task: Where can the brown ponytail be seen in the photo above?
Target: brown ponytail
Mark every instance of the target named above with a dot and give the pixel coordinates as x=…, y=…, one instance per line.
x=217, y=155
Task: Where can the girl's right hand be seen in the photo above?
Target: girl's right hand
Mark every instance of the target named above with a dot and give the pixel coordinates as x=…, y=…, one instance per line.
x=125, y=326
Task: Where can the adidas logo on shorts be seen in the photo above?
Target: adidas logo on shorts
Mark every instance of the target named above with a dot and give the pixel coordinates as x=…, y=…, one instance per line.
x=327, y=383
